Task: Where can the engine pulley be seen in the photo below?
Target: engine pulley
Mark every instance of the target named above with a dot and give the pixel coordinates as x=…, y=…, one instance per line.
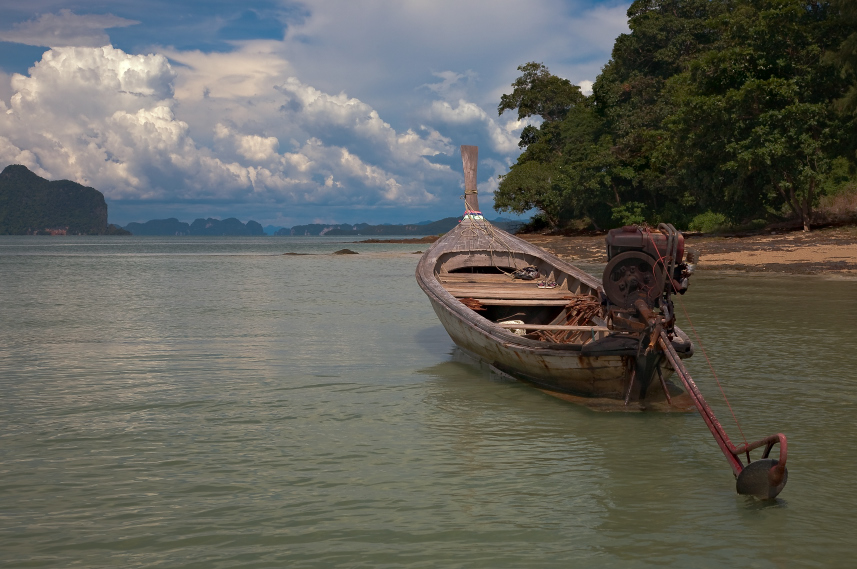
x=633, y=275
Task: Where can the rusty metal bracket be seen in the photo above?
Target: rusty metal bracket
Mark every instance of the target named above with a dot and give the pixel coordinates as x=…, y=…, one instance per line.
x=762, y=486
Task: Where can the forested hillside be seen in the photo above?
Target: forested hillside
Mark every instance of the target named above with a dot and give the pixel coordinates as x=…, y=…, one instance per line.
x=710, y=112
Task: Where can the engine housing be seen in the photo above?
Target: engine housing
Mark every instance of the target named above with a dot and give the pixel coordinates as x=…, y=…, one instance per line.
x=652, y=242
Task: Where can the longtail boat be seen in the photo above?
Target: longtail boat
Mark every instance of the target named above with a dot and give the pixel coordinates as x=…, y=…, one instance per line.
x=610, y=344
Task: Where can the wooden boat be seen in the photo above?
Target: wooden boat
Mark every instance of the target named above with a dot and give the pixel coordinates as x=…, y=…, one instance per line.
x=560, y=339
x=601, y=344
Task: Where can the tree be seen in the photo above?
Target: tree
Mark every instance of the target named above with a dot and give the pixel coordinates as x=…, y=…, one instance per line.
x=539, y=93
x=537, y=179
x=725, y=107
x=533, y=184
x=754, y=123
x=630, y=94
x=846, y=56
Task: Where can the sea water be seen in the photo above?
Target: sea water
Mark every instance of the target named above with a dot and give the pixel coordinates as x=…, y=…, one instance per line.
x=211, y=402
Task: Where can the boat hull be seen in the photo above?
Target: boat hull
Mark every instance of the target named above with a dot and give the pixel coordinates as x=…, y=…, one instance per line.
x=568, y=371
x=598, y=382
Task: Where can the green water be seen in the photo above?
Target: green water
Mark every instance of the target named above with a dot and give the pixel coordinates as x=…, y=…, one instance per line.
x=188, y=402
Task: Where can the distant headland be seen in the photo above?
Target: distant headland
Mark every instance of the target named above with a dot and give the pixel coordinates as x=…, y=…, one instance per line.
x=233, y=226
x=422, y=228
x=32, y=205
x=210, y=226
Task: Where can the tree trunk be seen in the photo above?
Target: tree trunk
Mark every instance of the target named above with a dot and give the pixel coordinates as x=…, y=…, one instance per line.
x=803, y=211
x=807, y=206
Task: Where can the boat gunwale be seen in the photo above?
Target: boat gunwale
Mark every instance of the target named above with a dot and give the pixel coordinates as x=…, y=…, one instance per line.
x=427, y=279
x=429, y=283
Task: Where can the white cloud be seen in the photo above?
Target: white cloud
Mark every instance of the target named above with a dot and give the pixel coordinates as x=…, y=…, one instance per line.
x=503, y=136
x=380, y=50
x=465, y=112
x=110, y=119
x=248, y=72
x=64, y=29
x=361, y=103
x=586, y=87
x=258, y=148
x=91, y=81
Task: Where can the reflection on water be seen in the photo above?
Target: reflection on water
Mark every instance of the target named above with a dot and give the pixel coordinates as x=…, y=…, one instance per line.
x=212, y=402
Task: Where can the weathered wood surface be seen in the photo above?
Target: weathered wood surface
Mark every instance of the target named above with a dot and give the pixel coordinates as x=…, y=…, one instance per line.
x=521, y=302
x=561, y=368
x=551, y=327
x=528, y=294
x=470, y=158
x=478, y=278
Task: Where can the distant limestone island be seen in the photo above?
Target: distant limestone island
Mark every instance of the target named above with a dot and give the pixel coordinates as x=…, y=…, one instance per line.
x=232, y=226
x=210, y=226
x=422, y=228
x=32, y=205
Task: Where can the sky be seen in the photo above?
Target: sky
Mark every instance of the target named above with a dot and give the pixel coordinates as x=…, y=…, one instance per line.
x=284, y=112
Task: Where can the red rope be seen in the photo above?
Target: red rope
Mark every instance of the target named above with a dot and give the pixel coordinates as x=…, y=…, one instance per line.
x=661, y=260
x=711, y=367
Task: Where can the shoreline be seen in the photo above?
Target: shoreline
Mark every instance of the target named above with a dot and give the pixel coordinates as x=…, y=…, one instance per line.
x=822, y=251
x=831, y=251
x=420, y=240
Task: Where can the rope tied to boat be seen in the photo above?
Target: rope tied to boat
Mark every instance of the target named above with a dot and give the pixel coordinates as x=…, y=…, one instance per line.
x=479, y=225
x=671, y=259
x=580, y=310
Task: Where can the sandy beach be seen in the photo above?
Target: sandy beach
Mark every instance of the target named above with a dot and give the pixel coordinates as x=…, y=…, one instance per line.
x=830, y=250
x=822, y=251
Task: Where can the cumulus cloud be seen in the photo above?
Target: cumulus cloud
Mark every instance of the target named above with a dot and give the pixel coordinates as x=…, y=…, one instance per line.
x=113, y=120
x=503, y=136
x=359, y=104
x=249, y=71
x=475, y=53
x=65, y=28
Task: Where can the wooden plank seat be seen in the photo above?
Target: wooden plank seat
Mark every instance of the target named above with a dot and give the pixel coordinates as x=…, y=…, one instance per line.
x=478, y=278
x=521, y=301
x=552, y=327
x=499, y=291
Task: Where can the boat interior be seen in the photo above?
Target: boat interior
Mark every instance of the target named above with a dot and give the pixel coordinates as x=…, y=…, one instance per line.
x=569, y=312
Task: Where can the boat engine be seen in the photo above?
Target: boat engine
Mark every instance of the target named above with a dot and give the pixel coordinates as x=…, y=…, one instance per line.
x=646, y=264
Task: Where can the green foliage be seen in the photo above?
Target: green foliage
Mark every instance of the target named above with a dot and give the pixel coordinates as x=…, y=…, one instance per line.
x=708, y=222
x=727, y=107
x=531, y=185
x=567, y=168
x=845, y=57
x=632, y=213
x=754, y=123
x=537, y=92
x=843, y=175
